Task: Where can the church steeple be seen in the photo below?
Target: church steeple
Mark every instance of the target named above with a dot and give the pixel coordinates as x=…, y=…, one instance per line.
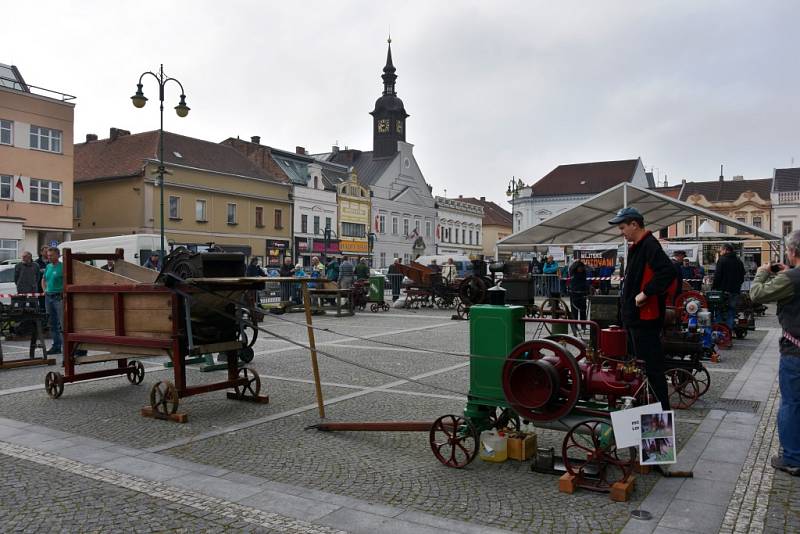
x=389, y=115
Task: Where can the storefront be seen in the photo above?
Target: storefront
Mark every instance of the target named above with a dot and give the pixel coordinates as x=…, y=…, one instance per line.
x=276, y=250
x=350, y=247
x=320, y=249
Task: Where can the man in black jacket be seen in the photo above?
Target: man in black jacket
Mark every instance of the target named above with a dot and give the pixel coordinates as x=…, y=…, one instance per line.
x=729, y=277
x=578, y=289
x=648, y=276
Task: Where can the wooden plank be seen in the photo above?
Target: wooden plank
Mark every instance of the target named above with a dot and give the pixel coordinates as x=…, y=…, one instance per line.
x=131, y=301
x=84, y=320
x=83, y=274
x=109, y=332
x=95, y=358
x=27, y=363
x=135, y=272
x=116, y=349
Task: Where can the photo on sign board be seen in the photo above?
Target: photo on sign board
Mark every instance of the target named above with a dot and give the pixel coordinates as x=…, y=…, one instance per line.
x=658, y=445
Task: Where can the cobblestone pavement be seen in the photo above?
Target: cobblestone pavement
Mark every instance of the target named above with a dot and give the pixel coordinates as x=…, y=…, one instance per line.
x=394, y=469
x=42, y=492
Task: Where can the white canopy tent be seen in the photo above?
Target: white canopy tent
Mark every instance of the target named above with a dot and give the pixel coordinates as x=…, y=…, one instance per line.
x=588, y=221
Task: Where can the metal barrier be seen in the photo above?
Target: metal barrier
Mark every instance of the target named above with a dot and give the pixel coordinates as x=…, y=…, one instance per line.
x=545, y=285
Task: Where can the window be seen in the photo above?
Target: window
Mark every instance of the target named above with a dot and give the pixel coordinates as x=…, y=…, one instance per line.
x=477, y=237
x=8, y=251
x=45, y=139
x=757, y=221
x=470, y=237
x=259, y=217
x=6, y=132
x=428, y=226
x=353, y=230
x=786, y=227
x=688, y=227
x=6, y=187
x=394, y=225
x=328, y=223
x=200, y=211
x=417, y=226
x=723, y=228
x=382, y=224
x=278, y=219
x=405, y=227
x=304, y=224
x=463, y=235
x=77, y=208
x=174, y=207
x=45, y=191
x=383, y=260
x=742, y=220
x=232, y=213
x=316, y=224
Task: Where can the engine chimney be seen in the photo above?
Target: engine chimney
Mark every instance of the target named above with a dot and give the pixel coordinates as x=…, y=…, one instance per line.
x=256, y=139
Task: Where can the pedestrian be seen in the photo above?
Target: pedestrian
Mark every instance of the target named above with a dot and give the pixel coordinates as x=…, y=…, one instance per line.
x=42, y=260
x=395, y=278
x=332, y=269
x=109, y=266
x=299, y=272
x=728, y=277
x=534, y=267
x=688, y=272
x=154, y=261
x=53, y=286
x=346, y=272
x=26, y=274
x=449, y=271
x=253, y=269
x=781, y=284
x=677, y=263
x=550, y=268
x=317, y=267
x=286, y=271
x=362, y=269
x=435, y=267
x=578, y=289
x=648, y=276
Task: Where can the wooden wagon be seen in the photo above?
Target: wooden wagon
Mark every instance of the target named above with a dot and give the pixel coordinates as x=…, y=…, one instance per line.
x=125, y=314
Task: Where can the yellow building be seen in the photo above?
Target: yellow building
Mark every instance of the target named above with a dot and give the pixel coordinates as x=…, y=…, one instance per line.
x=212, y=194
x=354, y=217
x=36, y=162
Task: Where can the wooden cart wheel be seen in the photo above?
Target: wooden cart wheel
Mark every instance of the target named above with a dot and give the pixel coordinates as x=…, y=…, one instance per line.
x=462, y=311
x=703, y=379
x=724, y=337
x=555, y=308
x=135, y=372
x=253, y=386
x=164, y=398
x=54, y=384
x=591, y=455
x=684, y=390
x=454, y=441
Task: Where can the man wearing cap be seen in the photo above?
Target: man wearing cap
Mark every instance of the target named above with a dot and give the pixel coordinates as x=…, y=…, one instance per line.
x=729, y=277
x=649, y=275
x=677, y=262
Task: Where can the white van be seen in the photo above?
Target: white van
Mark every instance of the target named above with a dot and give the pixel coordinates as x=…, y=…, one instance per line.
x=463, y=263
x=137, y=247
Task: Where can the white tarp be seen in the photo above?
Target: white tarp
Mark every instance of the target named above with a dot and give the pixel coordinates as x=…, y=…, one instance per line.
x=588, y=221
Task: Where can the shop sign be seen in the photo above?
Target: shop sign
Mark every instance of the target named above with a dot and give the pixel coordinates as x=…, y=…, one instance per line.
x=346, y=245
x=319, y=246
x=278, y=244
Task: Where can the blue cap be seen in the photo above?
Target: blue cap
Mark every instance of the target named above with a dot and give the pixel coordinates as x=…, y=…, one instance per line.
x=626, y=214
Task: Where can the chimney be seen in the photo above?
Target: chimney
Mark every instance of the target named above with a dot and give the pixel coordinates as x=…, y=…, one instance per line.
x=721, y=176
x=115, y=133
x=91, y=137
x=460, y=196
x=738, y=178
x=483, y=199
x=300, y=150
x=256, y=139
x=666, y=183
x=335, y=149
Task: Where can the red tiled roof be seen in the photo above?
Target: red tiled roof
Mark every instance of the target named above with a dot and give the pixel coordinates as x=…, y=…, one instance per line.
x=671, y=191
x=727, y=190
x=492, y=213
x=126, y=156
x=585, y=178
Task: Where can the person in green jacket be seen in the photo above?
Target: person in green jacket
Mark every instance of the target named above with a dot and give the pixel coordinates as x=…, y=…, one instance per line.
x=362, y=269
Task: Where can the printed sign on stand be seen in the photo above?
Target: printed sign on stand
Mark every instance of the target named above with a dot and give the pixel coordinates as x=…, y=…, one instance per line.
x=627, y=424
x=658, y=439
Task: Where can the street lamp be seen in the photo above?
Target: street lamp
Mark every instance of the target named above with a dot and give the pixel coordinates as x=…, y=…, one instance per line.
x=515, y=186
x=327, y=240
x=139, y=100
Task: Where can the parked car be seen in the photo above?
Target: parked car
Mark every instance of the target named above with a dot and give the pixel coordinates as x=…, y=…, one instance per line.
x=7, y=285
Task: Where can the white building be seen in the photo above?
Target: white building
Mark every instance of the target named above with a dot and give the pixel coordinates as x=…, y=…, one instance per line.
x=566, y=186
x=458, y=227
x=785, y=197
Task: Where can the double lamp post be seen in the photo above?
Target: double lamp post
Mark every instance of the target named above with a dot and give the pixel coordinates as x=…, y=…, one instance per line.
x=139, y=100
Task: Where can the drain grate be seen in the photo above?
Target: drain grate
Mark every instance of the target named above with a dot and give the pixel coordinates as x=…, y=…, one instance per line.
x=736, y=405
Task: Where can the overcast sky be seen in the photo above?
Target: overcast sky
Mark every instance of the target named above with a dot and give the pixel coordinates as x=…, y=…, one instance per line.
x=494, y=89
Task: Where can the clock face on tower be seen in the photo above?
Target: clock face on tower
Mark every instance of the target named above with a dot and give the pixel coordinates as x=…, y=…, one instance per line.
x=399, y=126
x=383, y=126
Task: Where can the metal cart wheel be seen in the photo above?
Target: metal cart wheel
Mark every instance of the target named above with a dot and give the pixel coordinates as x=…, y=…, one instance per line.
x=684, y=389
x=504, y=418
x=462, y=310
x=164, y=399
x=723, y=335
x=135, y=372
x=590, y=454
x=253, y=386
x=453, y=440
x=54, y=384
x=703, y=378
x=373, y=308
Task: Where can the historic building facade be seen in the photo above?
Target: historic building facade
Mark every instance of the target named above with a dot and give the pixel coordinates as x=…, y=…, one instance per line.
x=785, y=197
x=459, y=228
x=36, y=166
x=403, y=211
x=496, y=225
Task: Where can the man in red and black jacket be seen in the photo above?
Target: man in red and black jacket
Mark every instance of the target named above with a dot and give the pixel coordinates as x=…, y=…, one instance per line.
x=649, y=276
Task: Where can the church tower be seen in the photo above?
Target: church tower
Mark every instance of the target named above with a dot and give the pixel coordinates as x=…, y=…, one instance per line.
x=389, y=115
